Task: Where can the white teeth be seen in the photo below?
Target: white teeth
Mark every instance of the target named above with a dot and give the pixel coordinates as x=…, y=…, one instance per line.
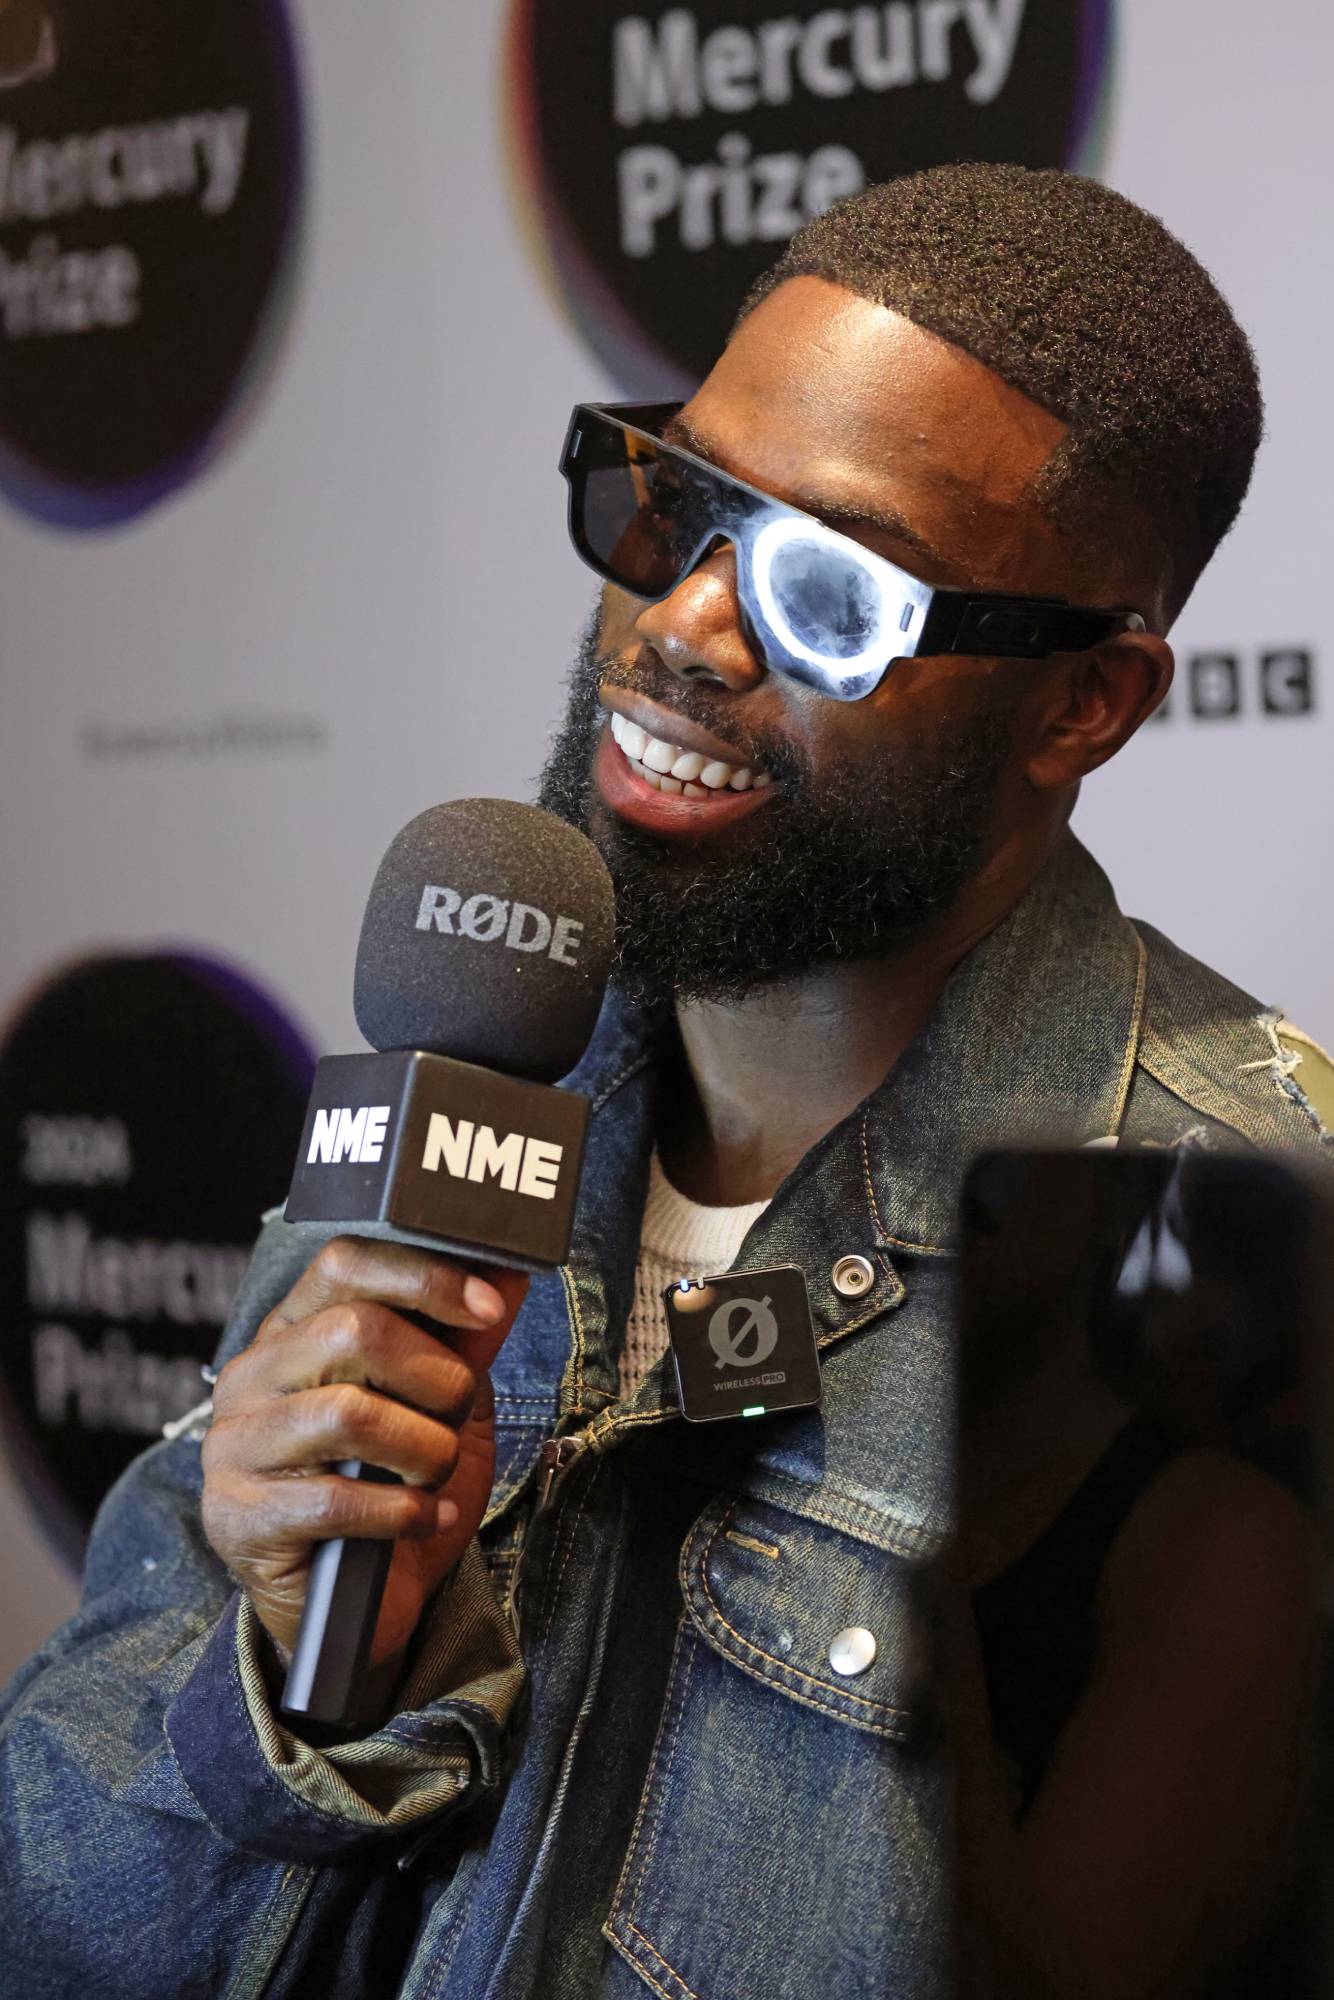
x=669, y=768
x=658, y=756
x=763, y=778
x=629, y=735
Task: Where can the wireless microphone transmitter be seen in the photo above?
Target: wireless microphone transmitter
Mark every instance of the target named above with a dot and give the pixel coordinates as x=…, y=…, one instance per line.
x=743, y=1344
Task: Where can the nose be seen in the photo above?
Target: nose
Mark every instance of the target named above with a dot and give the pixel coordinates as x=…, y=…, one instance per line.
x=696, y=630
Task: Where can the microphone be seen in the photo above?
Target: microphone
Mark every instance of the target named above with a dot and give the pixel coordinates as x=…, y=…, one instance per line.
x=483, y=959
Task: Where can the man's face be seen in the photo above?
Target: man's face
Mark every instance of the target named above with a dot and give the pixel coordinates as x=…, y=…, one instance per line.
x=870, y=816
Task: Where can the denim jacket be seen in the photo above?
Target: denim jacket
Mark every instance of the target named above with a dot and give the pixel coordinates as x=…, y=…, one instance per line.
x=619, y=1757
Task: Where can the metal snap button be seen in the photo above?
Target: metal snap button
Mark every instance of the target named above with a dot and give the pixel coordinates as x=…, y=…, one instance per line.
x=852, y=1650
x=853, y=1275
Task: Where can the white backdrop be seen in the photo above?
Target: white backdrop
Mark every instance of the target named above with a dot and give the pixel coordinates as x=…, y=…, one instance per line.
x=362, y=577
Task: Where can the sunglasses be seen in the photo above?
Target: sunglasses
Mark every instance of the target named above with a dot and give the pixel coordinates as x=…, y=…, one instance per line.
x=815, y=605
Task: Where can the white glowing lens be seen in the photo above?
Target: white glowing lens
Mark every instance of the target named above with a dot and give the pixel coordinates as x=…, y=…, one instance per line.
x=888, y=606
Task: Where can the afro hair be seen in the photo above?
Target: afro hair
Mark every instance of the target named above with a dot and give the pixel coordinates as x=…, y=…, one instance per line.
x=1089, y=306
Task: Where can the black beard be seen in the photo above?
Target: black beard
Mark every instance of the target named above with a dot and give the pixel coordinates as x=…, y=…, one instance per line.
x=858, y=865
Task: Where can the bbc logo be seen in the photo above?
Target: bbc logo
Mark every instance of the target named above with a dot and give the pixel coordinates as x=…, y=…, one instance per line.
x=1217, y=687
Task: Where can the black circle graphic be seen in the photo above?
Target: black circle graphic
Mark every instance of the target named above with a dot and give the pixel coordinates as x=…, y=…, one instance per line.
x=150, y=1110
x=672, y=151
x=150, y=169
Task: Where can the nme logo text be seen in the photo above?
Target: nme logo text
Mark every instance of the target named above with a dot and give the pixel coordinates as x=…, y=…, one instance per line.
x=343, y=1134
x=468, y=1152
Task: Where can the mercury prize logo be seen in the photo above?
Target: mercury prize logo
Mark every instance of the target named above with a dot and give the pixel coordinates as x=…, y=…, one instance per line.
x=149, y=1110
x=150, y=171
x=735, y=1321
x=667, y=153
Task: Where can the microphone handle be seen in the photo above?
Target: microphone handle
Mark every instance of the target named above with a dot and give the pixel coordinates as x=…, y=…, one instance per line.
x=338, y=1620
x=342, y=1608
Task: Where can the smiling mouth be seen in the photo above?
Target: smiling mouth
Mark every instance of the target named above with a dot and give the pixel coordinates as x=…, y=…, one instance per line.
x=669, y=768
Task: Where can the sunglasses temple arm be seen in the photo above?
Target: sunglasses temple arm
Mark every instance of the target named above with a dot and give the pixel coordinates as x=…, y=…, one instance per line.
x=943, y=619
x=1015, y=627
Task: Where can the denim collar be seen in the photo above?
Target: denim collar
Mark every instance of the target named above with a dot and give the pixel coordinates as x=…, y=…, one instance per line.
x=1033, y=1040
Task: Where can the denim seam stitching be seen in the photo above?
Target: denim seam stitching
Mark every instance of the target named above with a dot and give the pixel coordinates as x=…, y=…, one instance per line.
x=563, y=1535
x=640, y=1062
x=1174, y=1069
x=634, y=1959
x=1133, y=1038
x=622, y=1888
x=505, y=1471
x=890, y=1732
x=576, y=1317
x=897, y=1539
x=553, y=1593
x=443, y=1957
x=876, y=1216
x=658, y=1816
x=1223, y=1107
x=252, y=1980
x=882, y=1231
x=748, y=1645
x=664, y=1963
x=881, y=1306
x=920, y=1249
x=424, y=1734
x=607, y=1425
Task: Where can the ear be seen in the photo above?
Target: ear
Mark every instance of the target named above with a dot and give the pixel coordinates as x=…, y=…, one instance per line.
x=1092, y=703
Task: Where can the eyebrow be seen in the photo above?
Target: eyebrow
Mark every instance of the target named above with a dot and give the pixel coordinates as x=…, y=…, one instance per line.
x=679, y=430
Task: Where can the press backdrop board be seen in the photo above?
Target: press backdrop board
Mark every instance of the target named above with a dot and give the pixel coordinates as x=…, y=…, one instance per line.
x=346, y=592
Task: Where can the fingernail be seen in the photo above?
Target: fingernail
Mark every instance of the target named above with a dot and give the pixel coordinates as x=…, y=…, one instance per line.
x=446, y=1514
x=482, y=1300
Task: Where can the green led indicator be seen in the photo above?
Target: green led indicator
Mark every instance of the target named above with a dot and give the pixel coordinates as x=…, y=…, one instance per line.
x=755, y=1410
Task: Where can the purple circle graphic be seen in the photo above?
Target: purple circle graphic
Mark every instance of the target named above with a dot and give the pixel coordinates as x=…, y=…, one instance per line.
x=151, y=166
x=669, y=152
x=150, y=1109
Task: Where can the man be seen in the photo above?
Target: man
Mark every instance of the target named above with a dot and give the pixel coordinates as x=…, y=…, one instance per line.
x=704, y=1756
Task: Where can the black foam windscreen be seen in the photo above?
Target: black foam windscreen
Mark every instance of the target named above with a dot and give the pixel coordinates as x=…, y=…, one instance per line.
x=487, y=937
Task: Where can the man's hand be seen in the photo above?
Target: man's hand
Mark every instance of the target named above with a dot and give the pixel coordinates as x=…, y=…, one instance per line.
x=337, y=1371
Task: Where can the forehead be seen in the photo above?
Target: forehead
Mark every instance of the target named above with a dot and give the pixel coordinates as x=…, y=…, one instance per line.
x=825, y=396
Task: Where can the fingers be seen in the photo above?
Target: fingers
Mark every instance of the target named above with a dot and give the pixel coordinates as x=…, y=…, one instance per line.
x=323, y=1427
x=265, y=1528
x=377, y=1354
x=357, y=1341
x=353, y=1267
x=344, y=1320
